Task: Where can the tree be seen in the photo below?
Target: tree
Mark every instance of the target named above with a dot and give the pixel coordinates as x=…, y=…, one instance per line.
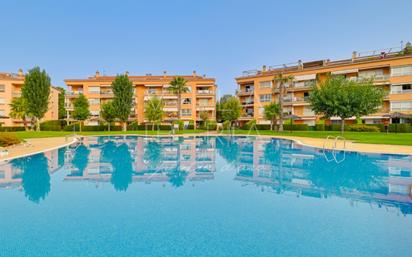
x=219, y=107
x=204, y=116
x=344, y=98
x=153, y=110
x=81, y=109
x=62, y=109
x=177, y=87
x=231, y=109
x=108, y=113
x=282, y=81
x=18, y=110
x=122, y=89
x=272, y=111
x=36, y=91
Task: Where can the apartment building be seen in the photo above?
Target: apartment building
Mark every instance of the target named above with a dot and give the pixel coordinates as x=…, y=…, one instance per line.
x=10, y=87
x=97, y=89
x=390, y=69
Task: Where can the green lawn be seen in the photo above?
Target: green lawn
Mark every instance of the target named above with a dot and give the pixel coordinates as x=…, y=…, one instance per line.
x=361, y=137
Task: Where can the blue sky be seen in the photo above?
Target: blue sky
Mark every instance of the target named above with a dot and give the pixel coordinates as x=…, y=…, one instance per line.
x=72, y=39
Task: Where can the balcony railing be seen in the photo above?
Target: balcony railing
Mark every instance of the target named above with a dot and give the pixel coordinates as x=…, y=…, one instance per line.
x=204, y=92
x=375, y=78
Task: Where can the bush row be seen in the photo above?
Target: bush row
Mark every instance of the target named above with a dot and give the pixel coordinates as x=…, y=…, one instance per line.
x=7, y=139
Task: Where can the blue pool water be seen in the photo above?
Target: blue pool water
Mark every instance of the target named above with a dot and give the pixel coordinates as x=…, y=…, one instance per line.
x=204, y=196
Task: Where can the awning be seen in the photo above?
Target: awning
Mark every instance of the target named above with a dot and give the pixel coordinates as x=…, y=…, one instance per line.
x=339, y=72
x=305, y=77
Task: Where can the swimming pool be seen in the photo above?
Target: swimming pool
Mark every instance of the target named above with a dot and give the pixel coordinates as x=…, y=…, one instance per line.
x=204, y=196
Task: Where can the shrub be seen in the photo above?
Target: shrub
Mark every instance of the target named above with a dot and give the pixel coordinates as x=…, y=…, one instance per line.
x=320, y=127
x=302, y=127
x=263, y=126
x=400, y=128
x=11, y=129
x=334, y=127
x=191, y=125
x=363, y=128
x=211, y=125
x=52, y=125
x=7, y=139
x=179, y=122
x=226, y=125
x=248, y=125
x=92, y=128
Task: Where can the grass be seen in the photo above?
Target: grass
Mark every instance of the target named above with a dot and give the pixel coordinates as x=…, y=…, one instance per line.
x=360, y=137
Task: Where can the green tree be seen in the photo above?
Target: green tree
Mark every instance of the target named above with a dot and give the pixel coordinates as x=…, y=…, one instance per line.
x=344, y=98
x=122, y=89
x=204, y=116
x=272, y=111
x=62, y=109
x=108, y=113
x=36, y=91
x=282, y=81
x=219, y=107
x=81, y=109
x=18, y=110
x=153, y=110
x=177, y=87
x=231, y=109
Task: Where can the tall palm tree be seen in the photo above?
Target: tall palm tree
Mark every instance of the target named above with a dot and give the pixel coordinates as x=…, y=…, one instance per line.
x=177, y=87
x=282, y=81
x=18, y=110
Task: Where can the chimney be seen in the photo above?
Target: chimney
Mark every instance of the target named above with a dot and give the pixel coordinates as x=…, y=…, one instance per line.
x=20, y=73
x=194, y=73
x=354, y=54
x=164, y=74
x=263, y=68
x=97, y=74
x=300, y=65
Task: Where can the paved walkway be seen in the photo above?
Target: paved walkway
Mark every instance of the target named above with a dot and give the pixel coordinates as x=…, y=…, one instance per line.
x=36, y=145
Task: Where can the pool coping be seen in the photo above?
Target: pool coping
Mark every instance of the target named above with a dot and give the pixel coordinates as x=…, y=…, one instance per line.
x=294, y=139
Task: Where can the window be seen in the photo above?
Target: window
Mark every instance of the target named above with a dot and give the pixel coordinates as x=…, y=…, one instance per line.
x=94, y=113
x=370, y=73
x=2, y=113
x=186, y=112
x=94, y=90
x=2, y=101
x=265, y=84
x=401, y=106
x=2, y=88
x=186, y=101
x=399, y=89
x=203, y=102
x=401, y=71
x=266, y=98
x=94, y=101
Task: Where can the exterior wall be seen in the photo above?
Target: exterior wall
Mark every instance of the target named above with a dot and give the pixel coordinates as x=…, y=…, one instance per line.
x=296, y=101
x=202, y=95
x=12, y=88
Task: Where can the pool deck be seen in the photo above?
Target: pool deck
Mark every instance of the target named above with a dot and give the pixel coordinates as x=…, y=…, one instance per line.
x=38, y=145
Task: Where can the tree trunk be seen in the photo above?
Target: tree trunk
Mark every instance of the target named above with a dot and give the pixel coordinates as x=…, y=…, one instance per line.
x=37, y=124
x=124, y=124
x=281, y=106
x=25, y=123
x=80, y=126
x=108, y=126
x=342, y=126
x=271, y=124
x=179, y=100
x=153, y=126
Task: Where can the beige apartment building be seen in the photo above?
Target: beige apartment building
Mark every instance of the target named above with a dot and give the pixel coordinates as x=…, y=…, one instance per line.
x=10, y=87
x=97, y=89
x=390, y=69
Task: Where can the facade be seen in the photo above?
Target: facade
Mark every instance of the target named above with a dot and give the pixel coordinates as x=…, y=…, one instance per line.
x=390, y=70
x=97, y=89
x=10, y=87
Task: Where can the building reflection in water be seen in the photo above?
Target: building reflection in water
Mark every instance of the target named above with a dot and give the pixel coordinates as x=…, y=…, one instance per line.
x=123, y=160
x=31, y=174
x=278, y=166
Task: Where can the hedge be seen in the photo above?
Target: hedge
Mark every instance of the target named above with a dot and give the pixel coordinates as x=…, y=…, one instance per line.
x=363, y=128
x=92, y=128
x=11, y=129
x=400, y=128
x=7, y=139
x=299, y=127
x=52, y=125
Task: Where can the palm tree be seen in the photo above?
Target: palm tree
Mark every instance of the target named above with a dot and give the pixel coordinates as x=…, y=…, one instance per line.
x=18, y=110
x=177, y=87
x=272, y=111
x=282, y=81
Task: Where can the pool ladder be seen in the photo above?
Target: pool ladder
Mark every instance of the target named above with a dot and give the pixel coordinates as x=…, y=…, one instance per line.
x=333, y=148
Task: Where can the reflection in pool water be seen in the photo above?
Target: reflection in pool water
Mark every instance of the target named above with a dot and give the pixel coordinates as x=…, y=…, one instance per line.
x=230, y=183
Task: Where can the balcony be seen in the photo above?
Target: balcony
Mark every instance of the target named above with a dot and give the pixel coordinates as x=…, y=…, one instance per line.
x=205, y=107
x=249, y=91
x=73, y=93
x=377, y=79
x=247, y=103
x=108, y=94
x=16, y=94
